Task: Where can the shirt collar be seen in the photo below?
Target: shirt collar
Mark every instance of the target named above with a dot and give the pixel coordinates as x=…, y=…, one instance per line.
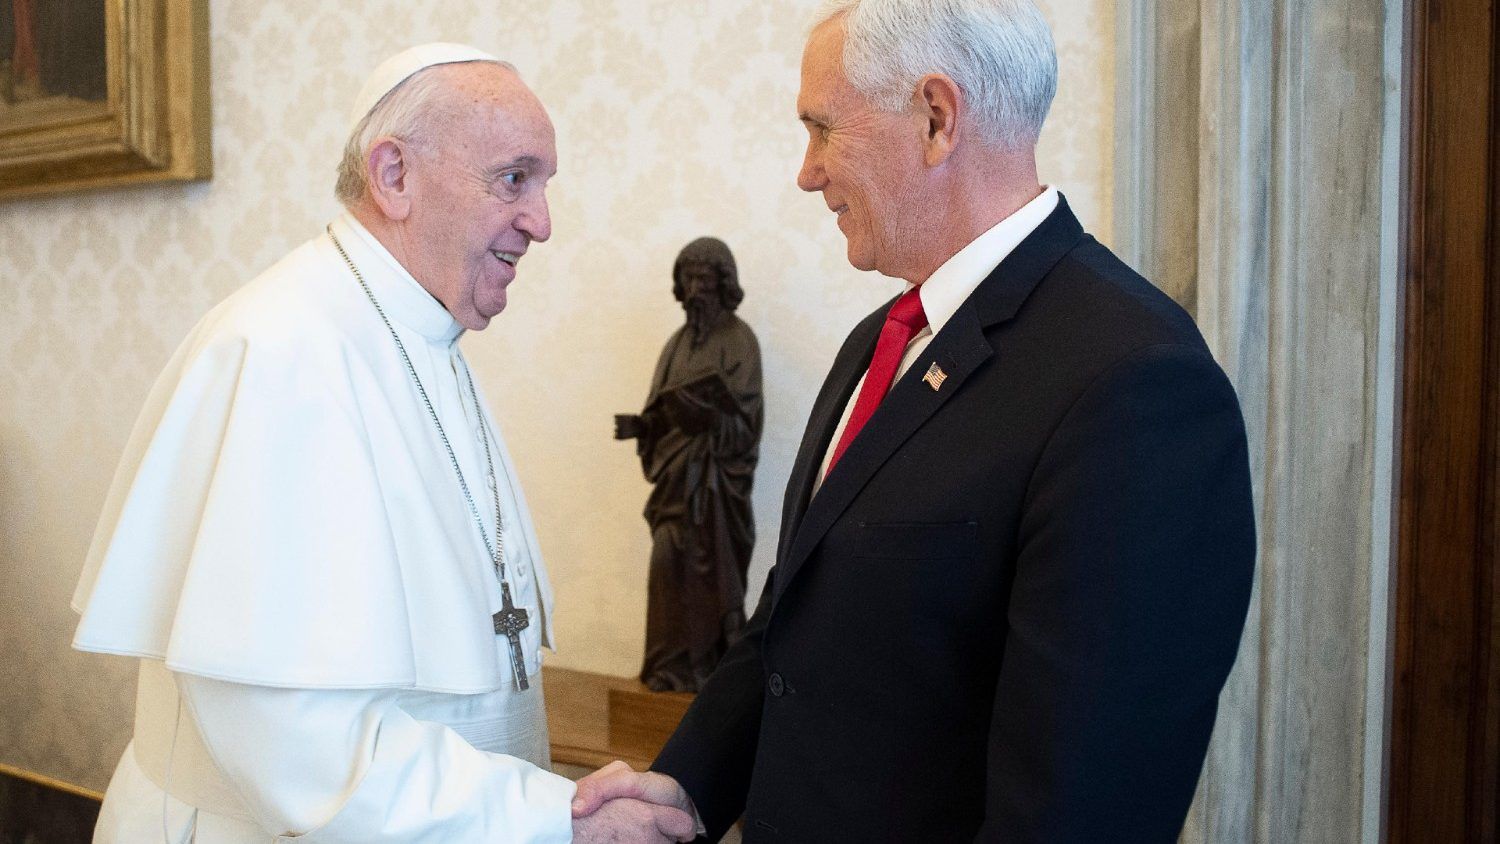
x=401, y=296
x=952, y=283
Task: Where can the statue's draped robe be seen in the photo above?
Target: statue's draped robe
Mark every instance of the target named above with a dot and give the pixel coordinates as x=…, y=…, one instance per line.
x=701, y=438
x=287, y=552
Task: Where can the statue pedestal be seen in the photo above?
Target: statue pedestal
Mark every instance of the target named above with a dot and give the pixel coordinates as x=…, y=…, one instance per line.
x=641, y=721
x=595, y=719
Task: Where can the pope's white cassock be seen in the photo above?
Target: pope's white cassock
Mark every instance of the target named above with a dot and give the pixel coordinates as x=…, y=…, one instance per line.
x=287, y=551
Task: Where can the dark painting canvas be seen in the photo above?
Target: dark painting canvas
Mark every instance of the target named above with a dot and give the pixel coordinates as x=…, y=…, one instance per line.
x=52, y=49
x=102, y=93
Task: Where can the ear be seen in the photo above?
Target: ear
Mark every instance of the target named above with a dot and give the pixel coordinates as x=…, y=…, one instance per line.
x=938, y=101
x=386, y=172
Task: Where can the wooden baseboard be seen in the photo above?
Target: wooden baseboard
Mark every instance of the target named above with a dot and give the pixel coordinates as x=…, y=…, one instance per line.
x=49, y=782
x=35, y=807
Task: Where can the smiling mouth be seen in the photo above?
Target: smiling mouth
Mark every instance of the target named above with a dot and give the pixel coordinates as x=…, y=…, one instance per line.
x=841, y=211
x=506, y=257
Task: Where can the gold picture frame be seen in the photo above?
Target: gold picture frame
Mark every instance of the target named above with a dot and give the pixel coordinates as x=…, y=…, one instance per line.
x=144, y=114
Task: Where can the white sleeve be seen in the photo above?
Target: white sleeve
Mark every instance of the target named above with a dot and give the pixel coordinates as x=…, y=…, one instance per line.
x=352, y=765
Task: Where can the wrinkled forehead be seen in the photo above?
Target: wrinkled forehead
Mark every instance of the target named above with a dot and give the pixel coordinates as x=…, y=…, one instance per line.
x=489, y=111
x=822, y=68
x=825, y=42
x=492, y=91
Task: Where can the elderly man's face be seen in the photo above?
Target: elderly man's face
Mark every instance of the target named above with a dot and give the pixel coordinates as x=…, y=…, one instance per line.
x=865, y=162
x=479, y=192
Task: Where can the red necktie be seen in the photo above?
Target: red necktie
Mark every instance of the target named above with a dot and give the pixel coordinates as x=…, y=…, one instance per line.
x=904, y=320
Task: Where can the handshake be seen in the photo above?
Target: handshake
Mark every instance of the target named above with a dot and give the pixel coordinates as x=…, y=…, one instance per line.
x=618, y=804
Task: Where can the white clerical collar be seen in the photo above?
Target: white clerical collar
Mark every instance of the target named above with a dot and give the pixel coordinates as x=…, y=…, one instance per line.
x=403, y=297
x=947, y=288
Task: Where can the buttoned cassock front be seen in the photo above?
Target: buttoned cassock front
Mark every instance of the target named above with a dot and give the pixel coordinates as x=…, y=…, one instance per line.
x=287, y=550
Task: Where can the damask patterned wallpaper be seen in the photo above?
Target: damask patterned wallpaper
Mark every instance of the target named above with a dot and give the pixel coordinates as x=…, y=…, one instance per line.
x=674, y=120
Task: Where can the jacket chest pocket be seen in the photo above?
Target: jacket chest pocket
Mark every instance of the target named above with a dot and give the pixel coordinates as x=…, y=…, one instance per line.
x=917, y=540
x=927, y=581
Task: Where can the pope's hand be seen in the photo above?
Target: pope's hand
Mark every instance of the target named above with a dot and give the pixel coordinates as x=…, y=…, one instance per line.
x=625, y=821
x=617, y=783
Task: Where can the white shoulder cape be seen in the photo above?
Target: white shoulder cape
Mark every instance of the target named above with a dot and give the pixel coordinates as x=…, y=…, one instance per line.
x=270, y=523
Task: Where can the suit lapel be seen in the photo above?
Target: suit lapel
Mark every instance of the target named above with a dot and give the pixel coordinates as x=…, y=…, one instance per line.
x=851, y=363
x=959, y=350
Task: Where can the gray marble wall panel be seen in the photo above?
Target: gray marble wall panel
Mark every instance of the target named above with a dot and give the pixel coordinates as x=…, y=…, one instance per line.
x=1281, y=224
x=1156, y=130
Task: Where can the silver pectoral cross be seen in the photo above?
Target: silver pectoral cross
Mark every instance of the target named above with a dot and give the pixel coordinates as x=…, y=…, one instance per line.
x=509, y=622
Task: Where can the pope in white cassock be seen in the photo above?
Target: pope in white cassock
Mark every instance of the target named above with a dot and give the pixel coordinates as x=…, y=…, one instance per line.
x=315, y=543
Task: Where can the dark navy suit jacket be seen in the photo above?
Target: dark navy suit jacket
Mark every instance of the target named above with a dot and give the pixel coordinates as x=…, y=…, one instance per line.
x=1008, y=612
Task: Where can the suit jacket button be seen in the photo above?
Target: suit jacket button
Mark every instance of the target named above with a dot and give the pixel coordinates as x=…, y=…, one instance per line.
x=778, y=686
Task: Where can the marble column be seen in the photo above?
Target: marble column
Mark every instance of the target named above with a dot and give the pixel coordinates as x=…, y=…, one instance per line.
x=1258, y=169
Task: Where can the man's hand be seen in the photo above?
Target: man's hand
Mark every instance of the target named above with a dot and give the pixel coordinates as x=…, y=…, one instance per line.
x=616, y=783
x=625, y=821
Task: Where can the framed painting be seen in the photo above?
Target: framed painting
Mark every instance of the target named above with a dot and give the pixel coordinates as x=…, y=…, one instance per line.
x=100, y=93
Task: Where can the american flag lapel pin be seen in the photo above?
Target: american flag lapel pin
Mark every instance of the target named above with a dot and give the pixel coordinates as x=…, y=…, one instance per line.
x=935, y=377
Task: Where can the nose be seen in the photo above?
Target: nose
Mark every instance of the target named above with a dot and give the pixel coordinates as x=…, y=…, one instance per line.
x=811, y=177
x=536, y=221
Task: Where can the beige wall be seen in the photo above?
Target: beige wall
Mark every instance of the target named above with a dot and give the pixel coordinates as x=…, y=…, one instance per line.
x=674, y=120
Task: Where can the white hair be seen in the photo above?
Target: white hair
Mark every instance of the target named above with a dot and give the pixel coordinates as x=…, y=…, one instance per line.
x=406, y=112
x=999, y=52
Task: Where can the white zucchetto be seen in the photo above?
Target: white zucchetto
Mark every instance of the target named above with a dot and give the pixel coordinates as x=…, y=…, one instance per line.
x=398, y=68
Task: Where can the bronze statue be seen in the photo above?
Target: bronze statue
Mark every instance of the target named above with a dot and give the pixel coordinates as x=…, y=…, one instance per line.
x=698, y=440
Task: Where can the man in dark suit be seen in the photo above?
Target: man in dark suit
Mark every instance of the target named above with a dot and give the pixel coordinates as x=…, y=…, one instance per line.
x=1018, y=539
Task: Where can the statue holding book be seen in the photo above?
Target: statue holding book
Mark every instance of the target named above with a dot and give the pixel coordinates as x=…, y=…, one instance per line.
x=698, y=438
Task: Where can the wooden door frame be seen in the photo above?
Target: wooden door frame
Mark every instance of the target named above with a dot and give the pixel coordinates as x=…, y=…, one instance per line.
x=1445, y=718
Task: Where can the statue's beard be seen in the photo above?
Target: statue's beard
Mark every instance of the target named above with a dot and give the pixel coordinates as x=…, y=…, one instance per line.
x=702, y=314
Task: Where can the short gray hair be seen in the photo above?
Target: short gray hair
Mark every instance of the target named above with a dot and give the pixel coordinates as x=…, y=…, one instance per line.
x=406, y=112
x=999, y=52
